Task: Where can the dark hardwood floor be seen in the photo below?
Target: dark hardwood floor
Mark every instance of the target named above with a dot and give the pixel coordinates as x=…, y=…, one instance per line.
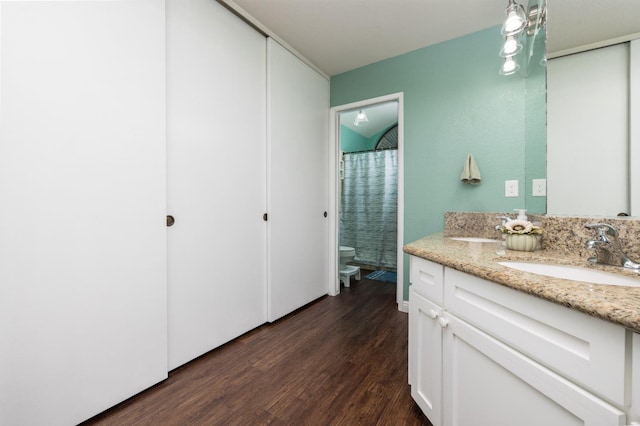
x=338, y=361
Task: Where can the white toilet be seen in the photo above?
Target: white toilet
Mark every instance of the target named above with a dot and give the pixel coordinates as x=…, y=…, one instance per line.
x=346, y=271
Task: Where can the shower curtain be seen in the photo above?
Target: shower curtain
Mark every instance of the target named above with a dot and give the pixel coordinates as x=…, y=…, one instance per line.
x=369, y=207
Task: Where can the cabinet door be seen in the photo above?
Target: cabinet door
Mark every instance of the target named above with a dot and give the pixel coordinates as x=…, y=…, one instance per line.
x=425, y=356
x=82, y=184
x=298, y=105
x=486, y=382
x=216, y=117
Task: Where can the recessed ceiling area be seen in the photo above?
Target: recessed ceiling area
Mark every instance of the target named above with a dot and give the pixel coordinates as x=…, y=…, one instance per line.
x=341, y=35
x=381, y=116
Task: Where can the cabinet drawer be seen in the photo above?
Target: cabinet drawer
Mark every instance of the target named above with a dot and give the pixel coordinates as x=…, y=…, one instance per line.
x=584, y=349
x=427, y=278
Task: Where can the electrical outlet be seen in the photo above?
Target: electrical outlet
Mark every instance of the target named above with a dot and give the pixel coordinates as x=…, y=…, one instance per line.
x=539, y=187
x=510, y=188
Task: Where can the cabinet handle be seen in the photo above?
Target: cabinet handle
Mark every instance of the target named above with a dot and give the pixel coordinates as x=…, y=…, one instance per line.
x=433, y=314
x=443, y=322
x=170, y=220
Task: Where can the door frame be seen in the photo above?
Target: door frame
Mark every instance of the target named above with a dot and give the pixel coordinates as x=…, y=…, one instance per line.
x=334, y=203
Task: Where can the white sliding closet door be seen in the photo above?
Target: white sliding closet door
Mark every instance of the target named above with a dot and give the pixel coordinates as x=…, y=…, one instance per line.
x=216, y=96
x=83, y=193
x=298, y=145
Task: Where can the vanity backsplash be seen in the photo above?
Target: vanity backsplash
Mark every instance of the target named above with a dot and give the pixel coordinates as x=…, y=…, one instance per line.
x=564, y=234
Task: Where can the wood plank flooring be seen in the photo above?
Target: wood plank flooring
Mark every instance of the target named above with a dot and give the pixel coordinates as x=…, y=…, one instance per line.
x=338, y=361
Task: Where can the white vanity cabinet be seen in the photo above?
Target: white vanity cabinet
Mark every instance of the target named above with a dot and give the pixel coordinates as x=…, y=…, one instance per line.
x=487, y=354
x=425, y=337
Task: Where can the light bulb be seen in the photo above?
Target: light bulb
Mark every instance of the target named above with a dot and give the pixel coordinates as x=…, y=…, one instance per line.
x=513, y=22
x=361, y=118
x=516, y=20
x=511, y=47
x=509, y=67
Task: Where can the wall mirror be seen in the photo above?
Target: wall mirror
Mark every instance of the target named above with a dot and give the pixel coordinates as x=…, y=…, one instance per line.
x=535, y=112
x=593, y=80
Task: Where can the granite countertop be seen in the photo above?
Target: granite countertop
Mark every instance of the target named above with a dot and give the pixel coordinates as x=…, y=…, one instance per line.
x=617, y=304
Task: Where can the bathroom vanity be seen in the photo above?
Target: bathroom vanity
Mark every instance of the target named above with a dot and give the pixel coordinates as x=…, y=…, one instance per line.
x=493, y=345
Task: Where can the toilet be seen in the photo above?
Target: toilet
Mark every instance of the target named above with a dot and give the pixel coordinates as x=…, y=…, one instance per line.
x=347, y=271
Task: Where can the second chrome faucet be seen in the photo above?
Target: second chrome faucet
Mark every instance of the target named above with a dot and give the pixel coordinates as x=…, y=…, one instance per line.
x=606, y=245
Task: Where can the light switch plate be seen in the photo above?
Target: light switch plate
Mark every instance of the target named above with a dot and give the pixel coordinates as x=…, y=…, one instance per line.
x=510, y=188
x=539, y=187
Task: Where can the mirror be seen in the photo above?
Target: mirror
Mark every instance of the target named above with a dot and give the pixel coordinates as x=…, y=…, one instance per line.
x=578, y=33
x=535, y=118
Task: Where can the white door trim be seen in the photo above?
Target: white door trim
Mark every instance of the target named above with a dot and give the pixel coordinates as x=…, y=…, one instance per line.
x=334, y=154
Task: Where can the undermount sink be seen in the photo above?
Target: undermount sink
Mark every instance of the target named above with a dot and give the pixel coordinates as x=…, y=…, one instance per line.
x=474, y=239
x=574, y=273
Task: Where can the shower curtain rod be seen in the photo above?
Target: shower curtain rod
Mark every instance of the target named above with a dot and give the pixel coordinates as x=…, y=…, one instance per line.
x=369, y=150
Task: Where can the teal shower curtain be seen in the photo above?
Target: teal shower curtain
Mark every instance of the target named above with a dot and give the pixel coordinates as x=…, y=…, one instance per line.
x=369, y=207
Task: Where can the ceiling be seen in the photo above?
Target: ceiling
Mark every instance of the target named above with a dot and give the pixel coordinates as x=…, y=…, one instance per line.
x=341, y=35
x=380, y=116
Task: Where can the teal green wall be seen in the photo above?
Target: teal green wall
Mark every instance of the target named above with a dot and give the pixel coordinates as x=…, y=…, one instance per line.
x=351, y=141
x=455, y=103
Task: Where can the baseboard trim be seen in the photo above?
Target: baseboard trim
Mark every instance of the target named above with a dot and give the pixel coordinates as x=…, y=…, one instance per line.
x=404, y=306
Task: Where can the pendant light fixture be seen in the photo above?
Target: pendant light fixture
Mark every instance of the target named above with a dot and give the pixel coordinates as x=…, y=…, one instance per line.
x=361, y=118
x=519, y=29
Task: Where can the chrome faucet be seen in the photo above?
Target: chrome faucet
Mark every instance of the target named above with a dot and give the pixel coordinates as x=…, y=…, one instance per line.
x=504, y=219
x=607, y=247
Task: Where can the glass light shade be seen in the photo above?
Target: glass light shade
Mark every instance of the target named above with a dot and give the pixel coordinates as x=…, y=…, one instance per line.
x=511, y=47
x=509, y=67
x=361, y=118
x=516, y=19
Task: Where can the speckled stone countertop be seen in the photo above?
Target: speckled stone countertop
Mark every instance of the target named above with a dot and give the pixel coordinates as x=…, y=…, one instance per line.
x=617, y=304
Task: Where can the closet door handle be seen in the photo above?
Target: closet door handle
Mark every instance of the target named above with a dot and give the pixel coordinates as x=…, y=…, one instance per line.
x=325, y=214
x=170, y=220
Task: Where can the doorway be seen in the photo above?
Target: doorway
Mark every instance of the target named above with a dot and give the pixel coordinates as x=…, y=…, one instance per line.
x=374, y=142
